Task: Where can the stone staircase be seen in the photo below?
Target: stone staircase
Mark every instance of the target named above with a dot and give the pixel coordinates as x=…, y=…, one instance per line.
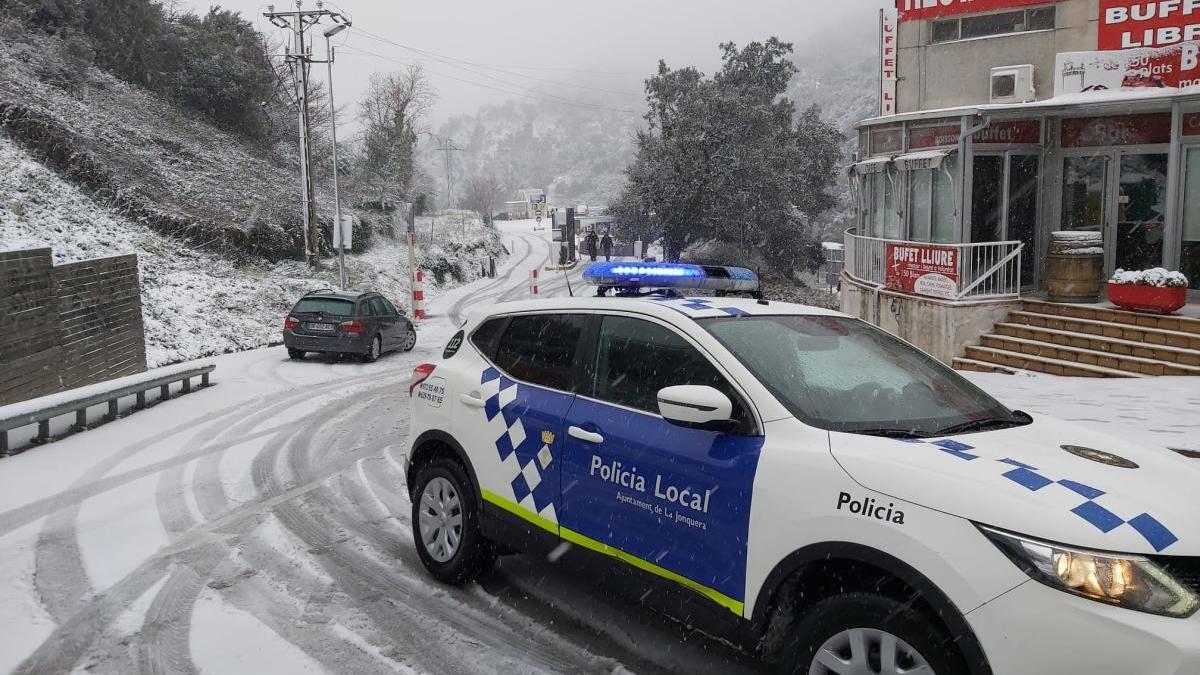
x=1087, y=341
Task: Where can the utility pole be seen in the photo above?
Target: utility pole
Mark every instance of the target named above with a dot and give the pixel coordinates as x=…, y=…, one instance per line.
x=299, y=61
x=337, y=198
x=447, y=147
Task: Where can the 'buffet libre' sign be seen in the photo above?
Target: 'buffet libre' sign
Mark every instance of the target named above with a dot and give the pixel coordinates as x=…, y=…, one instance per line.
x=1129, y=24
x=923, y=269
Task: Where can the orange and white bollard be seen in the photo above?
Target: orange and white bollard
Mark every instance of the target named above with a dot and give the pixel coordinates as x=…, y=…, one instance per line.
x=533, y=284
x=419, y=296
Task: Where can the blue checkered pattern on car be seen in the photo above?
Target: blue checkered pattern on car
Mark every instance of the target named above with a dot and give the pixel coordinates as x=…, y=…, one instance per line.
x=533, y=456
x=698, y=305
x=1030, y=478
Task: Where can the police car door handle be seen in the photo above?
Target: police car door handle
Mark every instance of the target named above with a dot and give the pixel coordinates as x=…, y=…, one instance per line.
x=472, y=399
x=586, y=436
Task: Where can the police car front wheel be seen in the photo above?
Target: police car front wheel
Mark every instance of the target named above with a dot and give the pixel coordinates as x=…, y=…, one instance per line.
x=445, y=521
x=867, y=634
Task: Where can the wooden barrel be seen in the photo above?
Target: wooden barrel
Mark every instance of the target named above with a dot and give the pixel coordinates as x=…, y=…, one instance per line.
x=1075, y=267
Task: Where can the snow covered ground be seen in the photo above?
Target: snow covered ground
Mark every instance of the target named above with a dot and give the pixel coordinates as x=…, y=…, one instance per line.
x=260, y=526
x=196, y=303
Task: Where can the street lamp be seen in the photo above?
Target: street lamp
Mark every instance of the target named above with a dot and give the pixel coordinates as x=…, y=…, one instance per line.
x=337, y=201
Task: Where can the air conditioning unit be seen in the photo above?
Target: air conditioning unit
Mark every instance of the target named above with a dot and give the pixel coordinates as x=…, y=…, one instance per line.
x=1013, y=84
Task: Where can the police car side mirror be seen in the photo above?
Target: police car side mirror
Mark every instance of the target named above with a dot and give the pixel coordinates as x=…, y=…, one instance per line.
x=696, y=407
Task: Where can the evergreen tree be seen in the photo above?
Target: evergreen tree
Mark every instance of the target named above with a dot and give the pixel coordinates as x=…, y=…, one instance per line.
x=728, y=158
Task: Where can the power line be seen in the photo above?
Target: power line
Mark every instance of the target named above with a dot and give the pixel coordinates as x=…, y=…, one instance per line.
x=523, y=92
x=453, y=62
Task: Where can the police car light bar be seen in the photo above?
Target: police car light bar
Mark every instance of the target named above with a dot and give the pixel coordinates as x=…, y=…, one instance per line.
x=639, y=275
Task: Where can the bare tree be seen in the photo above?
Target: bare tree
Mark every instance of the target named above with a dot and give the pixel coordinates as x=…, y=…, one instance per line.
x=480, y=194
x=390, y=112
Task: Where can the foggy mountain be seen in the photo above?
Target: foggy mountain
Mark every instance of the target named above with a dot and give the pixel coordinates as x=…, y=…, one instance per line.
x=579, y=154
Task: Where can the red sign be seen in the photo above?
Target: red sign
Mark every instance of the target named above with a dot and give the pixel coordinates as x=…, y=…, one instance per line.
x=1023, y=132
x=1125, y=24
x=1091, y=132
x=933, y=137
x=917, y=10
x=923, y=269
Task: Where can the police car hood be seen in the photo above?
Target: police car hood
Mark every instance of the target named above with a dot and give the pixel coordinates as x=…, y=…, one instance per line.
x=1023, y=480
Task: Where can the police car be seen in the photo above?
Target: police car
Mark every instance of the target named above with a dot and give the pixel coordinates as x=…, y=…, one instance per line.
x=822, y=492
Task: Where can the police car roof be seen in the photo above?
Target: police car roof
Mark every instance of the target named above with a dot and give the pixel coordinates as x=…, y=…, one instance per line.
x=662, y=306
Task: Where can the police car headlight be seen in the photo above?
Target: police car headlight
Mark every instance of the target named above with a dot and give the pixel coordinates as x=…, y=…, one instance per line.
x=1129, y=581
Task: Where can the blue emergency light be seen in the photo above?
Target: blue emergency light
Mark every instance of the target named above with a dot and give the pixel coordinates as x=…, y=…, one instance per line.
x=640, y=275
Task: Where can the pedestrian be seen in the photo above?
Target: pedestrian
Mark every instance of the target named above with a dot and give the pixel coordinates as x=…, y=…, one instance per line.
x=606, y=245
x=589, y=244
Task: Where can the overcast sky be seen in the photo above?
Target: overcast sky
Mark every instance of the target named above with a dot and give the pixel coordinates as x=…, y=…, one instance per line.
x=514, y=46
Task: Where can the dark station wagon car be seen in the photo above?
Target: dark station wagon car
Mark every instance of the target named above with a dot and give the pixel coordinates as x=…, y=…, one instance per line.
x=366, y=325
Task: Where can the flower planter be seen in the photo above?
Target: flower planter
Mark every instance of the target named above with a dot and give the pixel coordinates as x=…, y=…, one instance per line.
x=1142, y=298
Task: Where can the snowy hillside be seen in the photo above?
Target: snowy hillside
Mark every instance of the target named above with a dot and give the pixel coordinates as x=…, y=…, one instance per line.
x=198, y=303
x=577, y=155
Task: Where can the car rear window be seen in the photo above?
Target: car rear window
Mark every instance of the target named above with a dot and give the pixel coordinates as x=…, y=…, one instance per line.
x=328, y=306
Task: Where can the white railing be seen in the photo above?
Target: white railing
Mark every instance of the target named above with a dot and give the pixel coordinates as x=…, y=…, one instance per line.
x=986, y=271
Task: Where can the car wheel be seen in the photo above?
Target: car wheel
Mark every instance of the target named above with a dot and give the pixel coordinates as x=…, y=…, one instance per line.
x=445, y=521
x=295, y=354
x=373, y=353
x=867, y=634
x=410, y=340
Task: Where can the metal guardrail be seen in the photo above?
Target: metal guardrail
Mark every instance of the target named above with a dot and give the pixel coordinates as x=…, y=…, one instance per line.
x=58, y=406
x=986, y=271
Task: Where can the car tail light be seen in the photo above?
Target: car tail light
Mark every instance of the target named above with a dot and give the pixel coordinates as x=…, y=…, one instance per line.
x=354, y=328
x=290, y=323
x=420, y=374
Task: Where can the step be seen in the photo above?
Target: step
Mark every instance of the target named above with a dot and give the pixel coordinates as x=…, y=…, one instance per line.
x=1114, y=330
x=975, y=366
x=1187, y=357
x=1042, y=364
x=1090, y=357
x=1182, y=324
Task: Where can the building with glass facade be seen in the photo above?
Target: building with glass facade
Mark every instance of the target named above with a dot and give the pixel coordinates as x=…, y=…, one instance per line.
x=1010, y=119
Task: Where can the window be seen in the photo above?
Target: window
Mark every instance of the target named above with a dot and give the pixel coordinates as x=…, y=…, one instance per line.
x=945, y=31
x=388, y=307
x=379, y=307
x=885, y=216
x=931, y=202
x=484, y=337
x=843, y=374
x=1189, y=262
x=328, y=306
x=985, y=25
x=636, y=358
x=369, y=307
x=945, y=201
x=540, y=349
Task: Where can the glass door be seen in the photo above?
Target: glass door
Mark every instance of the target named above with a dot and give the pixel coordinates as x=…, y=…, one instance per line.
x=1085, y=188
x=1141, y=207
x=1024, y=172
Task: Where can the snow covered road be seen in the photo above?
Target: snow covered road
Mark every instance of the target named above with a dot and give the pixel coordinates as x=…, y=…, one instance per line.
x=261, y=526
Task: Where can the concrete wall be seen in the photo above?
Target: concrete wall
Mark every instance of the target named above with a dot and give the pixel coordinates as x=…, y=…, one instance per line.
x=958, y=73
x=67, y=326
x=943, y=329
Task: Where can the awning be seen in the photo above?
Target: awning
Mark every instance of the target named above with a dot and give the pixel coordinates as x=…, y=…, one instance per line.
x=870, y=166
x=926, y=159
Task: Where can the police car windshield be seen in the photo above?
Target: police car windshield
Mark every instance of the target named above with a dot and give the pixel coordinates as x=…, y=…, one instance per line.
x=842, y=374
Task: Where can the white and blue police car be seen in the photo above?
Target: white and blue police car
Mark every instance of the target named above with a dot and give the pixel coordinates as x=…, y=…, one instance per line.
x=802, y=482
